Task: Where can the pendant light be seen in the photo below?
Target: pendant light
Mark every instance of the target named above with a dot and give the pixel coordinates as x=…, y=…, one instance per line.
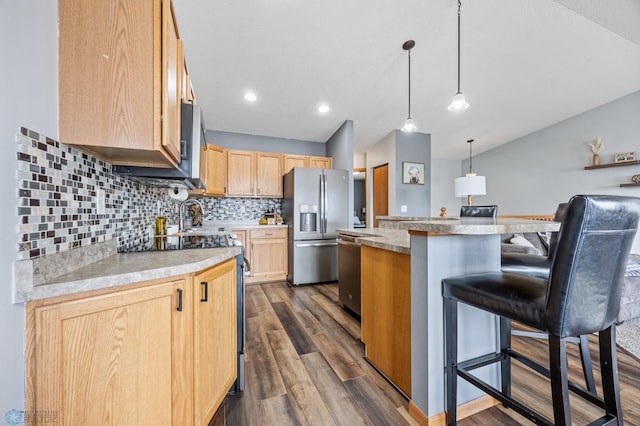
x=470, y=184
x=409, y=125
x=459, y=103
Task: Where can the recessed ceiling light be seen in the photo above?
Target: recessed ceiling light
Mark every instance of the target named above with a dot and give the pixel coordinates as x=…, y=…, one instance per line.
x=323, y=108
x=250, y=96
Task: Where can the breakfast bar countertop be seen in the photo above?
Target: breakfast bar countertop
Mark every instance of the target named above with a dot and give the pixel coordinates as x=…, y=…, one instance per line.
x=384, y=238
x=474, y=226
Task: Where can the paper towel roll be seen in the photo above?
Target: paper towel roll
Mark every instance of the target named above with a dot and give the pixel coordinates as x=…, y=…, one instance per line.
x=178, y=193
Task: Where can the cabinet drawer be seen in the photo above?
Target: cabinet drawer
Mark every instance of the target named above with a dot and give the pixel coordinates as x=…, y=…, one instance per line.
x=268, y=233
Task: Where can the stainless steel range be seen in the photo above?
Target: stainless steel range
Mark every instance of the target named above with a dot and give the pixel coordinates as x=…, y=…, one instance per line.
x=209, y=238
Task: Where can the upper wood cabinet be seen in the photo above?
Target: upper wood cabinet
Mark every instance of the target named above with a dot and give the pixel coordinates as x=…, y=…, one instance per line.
x=241, y=173
x=320, y=162
x=254, y=174
x=269, y=175
x=120, y=80
x=213, y=169
x=293, y=160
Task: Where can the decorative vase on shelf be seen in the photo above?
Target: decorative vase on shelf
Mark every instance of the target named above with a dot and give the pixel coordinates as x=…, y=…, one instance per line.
x=635, y=179
x=596, y=159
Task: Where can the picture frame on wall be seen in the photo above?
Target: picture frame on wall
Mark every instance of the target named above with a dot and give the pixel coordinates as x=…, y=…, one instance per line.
x=413, y=173
x=624, y=157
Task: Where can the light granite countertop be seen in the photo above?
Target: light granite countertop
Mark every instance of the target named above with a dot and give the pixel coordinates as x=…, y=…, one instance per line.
x=115, y=270
x=475, y=226
x=383, y=238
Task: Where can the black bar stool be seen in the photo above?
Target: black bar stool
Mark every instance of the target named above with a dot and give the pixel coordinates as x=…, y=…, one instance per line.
x=581, y=296
x=540, y=266
x=479, y=211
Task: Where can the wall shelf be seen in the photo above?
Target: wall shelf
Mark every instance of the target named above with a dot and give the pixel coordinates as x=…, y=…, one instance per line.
x=624, y=185
x=604, y=166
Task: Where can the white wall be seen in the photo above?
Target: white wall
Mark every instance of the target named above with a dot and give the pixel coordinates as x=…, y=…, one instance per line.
x=29, y=51
x=443, y=172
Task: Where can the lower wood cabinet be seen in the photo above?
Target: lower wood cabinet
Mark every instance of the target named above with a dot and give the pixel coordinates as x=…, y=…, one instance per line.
x=386, y=313
x=150, y=353
x=215, y=338
x=267, y=251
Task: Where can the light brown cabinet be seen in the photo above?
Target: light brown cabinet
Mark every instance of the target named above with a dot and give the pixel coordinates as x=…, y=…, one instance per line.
x=386, y=313
x=267, y=251
x=215, y=338
x=120, y=80
x=292, y=160
x=213, y=169
x=150, y=353
x=254, y=174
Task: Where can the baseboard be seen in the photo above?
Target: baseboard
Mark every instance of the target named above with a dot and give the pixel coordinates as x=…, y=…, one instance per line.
x=465, y=410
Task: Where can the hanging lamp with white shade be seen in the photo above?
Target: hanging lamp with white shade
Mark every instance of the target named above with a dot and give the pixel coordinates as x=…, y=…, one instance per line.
x=470, y=184
x=409, y=125
x=459, y=102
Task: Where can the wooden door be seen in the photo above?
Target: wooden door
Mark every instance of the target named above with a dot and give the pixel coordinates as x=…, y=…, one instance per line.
x=215, y=338
x=112, y=359
x=241, y=173
x=269, y=175
x=380, y=192
x=172, y=67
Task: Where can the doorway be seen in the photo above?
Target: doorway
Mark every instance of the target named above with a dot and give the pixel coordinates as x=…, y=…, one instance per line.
x=380, y=192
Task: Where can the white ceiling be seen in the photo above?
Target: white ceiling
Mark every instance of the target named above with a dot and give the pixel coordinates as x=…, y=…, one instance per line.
x=526, y=64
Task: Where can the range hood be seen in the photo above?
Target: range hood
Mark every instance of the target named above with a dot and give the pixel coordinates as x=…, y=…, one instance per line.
x=187, y=174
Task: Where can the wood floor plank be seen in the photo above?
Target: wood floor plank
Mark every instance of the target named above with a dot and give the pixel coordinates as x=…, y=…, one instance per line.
x=279, y=410
x=297, y=334
x=261, y=367
x=344, y=365
x=379, y=409
x=300, y=387
x=343, y=318
x=341, y=404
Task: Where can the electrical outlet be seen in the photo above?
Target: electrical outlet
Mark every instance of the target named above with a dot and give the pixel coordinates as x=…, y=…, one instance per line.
x=403, y=208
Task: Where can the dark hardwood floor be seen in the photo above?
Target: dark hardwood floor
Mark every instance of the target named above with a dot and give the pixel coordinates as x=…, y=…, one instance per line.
x=305, y=366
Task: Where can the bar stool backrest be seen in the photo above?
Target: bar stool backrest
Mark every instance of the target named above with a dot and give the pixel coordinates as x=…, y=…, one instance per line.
x=588, y=268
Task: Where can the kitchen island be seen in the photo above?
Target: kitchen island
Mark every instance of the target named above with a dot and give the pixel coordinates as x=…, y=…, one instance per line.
x=439, y=248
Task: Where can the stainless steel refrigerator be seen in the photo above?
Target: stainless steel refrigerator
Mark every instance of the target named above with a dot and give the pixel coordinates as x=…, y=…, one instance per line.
x=315, y=204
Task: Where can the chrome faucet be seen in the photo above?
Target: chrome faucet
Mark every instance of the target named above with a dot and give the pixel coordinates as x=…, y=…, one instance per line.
x=181, y=211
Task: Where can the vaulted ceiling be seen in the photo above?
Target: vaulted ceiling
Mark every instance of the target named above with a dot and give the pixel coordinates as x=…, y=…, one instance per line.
x=526, y=64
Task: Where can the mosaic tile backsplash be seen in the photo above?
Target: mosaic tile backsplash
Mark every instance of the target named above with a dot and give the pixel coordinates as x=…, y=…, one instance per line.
x=58, y=198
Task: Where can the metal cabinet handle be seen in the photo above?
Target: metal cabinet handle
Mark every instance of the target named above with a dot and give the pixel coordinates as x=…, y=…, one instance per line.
x=206, y=291
x=179, y=308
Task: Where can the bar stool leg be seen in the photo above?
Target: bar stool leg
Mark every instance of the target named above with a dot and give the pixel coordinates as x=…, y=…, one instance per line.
x=450, y=359
x=585, y=358
x=609, y=368
x=559, y=381
x=505, y=364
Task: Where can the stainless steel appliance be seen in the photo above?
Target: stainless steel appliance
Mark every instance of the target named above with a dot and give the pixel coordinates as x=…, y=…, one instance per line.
x=192, y=138
x=220, y=237
x=349, y=272
x=315, y=205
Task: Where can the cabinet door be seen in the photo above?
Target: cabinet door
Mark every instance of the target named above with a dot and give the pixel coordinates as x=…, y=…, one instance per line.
x=268, y=253
x=215, y=338
x=172, y=67
x=291, y=161
x=117, y=358
x=320, y=162
x=269, y=174
x=214, y=169
x=240, y=173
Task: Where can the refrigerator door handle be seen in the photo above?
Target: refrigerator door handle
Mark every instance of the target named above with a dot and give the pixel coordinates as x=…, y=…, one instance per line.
x=316, y=244
x=325, y=191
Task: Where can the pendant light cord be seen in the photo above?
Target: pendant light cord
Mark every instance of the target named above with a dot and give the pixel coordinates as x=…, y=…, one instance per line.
x=459, y=5
x=470, y=156
x=409, y=97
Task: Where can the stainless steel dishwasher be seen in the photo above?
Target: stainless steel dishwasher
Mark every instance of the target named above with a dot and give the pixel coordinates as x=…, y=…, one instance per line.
x=349, y=272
